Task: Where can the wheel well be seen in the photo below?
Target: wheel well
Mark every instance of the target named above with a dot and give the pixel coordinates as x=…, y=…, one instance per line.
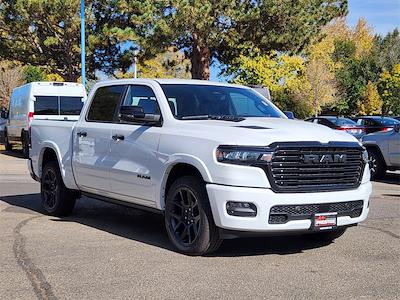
x=378, y=150
x=178, y=171
x=48, y=155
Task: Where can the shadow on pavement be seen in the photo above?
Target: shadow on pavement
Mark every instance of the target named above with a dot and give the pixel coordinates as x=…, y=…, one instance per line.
x=390, y=178
x=148, y=228
x=13, y=153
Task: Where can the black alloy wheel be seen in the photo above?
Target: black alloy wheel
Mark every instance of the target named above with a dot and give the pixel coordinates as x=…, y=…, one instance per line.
x=188, y=217
x=57, y=199
x=49, y=189
x=184, y=216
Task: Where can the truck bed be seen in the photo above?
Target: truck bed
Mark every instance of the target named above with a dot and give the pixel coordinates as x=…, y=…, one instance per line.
x=57, y=135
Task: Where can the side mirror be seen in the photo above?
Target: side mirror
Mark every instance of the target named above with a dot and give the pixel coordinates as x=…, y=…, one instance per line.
x=135, y=114
x=396, y=128
x=289, y=114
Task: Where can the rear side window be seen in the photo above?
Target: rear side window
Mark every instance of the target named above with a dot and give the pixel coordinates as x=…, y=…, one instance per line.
x=105, y=102
x=46, y=105
x=70, y=105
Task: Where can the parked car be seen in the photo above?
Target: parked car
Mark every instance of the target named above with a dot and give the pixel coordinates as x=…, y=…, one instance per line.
x=340, y=123
x=41, y=100
x=397, y=118
x=217, y=160
x=376, y=123
x=383, y=151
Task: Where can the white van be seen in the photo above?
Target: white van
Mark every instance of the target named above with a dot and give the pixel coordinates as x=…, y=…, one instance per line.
x=41, y=100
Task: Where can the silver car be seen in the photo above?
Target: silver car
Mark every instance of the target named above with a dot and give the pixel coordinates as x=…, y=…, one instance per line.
x=383, y=151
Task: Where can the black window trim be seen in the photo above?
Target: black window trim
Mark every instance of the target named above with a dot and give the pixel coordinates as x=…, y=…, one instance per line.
x=58, y=103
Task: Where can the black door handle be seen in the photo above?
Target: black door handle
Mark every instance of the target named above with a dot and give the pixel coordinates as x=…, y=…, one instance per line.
x=118, y=137
x=81, y=134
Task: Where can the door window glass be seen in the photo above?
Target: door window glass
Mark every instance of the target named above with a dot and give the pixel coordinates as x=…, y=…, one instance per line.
x=143, y=96
x=105, y=102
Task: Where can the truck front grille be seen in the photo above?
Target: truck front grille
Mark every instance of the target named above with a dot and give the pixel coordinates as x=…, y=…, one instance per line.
x=291, y=169
x=280, y=214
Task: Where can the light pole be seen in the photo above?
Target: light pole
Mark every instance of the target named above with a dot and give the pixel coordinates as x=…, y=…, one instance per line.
x=83, y=50
x=135, y=53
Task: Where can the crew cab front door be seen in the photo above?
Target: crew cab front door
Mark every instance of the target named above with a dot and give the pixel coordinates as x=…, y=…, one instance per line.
x=136, y=169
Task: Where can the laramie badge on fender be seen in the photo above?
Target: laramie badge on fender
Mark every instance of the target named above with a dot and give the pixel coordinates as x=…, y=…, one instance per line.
x=325, y=158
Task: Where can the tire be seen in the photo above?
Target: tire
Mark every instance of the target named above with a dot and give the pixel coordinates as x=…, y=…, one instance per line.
x=7, y=144
x=25, y=145
x=376, y=163
x=328, y=236
x=57, y=200
x=188, y=218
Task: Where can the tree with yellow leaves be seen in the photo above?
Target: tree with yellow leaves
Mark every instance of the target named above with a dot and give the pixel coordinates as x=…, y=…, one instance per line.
x=389, y=89
x=370, y=103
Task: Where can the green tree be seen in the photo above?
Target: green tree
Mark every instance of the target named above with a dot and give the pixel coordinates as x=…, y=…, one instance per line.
x=32, y=73
x=207, y=30
x=388, y=49
x=42, y=33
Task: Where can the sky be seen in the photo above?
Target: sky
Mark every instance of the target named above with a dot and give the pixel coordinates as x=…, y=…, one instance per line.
x=382, y=15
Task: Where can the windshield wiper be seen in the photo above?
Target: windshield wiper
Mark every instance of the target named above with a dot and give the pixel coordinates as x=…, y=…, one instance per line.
x=215, y=117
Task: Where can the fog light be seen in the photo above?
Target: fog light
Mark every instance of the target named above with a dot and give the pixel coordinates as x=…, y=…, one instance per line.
x=241, y=209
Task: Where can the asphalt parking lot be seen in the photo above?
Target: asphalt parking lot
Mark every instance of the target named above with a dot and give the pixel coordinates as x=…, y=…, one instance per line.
x=105, y=251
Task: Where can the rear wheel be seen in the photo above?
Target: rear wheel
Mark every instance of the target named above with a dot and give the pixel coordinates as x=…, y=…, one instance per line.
x=326, y=236
x=57, y=200
x=188, y=218
x=7, y=144
x=376, y=163
x=25, y=145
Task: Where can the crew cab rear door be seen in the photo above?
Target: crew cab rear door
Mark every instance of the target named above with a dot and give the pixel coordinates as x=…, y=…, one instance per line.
x=92, y=140
x=136, y=170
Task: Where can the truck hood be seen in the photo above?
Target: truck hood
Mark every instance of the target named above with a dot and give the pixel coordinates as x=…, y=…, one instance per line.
x=262, y=131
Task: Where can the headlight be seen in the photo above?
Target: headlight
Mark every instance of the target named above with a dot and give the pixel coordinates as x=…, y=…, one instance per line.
x=242, y=155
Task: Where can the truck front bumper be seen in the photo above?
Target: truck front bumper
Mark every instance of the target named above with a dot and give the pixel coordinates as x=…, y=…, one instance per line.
x=265, y=199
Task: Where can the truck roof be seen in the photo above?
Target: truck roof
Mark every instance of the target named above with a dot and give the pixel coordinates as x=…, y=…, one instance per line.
x=167, y=81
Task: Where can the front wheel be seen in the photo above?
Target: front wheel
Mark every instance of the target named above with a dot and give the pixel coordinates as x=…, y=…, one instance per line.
x=188, y=218
x=57, y=200
x=376, y=163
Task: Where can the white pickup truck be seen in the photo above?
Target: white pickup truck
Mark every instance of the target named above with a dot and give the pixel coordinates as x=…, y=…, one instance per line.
x=218, y=160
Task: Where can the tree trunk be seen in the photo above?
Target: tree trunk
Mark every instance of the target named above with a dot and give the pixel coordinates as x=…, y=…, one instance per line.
x=201, y=58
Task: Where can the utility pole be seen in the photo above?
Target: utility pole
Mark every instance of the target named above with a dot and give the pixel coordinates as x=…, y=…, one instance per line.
x=83, y=49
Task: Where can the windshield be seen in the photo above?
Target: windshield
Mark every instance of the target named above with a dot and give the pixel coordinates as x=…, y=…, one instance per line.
x=190, y=100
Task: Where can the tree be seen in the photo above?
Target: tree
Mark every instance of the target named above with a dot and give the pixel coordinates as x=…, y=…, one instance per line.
x=389, y=89
x=170, y=64
x=388, y=49
x=11, y=76
x=207, y=30
x=363, y=38
x=32, y=73
x=42, y=33
x=322, y=85
x=370, y=103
